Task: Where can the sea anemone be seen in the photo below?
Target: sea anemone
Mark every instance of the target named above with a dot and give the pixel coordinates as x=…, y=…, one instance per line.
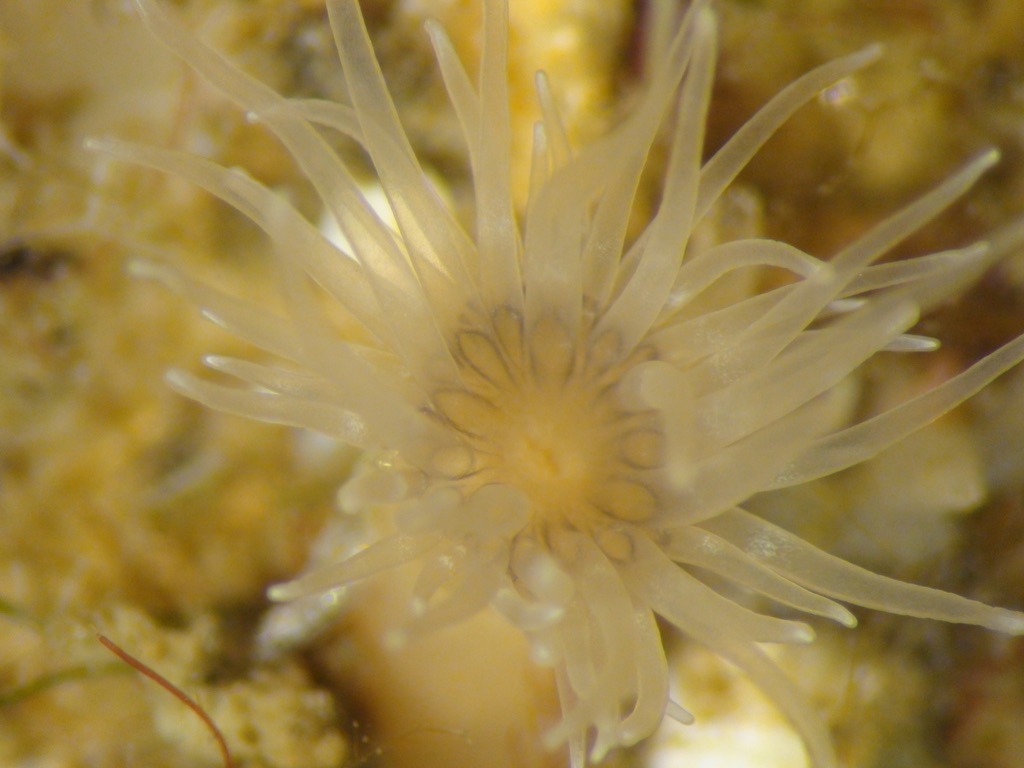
x=557, y=420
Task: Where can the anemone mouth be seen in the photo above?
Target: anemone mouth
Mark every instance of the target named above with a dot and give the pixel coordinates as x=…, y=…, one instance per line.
x=540, y=411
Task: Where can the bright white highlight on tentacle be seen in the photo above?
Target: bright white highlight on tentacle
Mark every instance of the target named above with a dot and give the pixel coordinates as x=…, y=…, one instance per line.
x=553, y=428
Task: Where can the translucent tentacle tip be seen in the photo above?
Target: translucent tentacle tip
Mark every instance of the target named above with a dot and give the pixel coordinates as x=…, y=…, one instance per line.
x=1010, y=622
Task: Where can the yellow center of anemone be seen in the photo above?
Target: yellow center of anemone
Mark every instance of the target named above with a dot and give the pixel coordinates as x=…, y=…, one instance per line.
x=540, y=411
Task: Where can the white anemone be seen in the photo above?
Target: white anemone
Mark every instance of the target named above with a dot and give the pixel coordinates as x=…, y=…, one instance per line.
x=557, y=432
